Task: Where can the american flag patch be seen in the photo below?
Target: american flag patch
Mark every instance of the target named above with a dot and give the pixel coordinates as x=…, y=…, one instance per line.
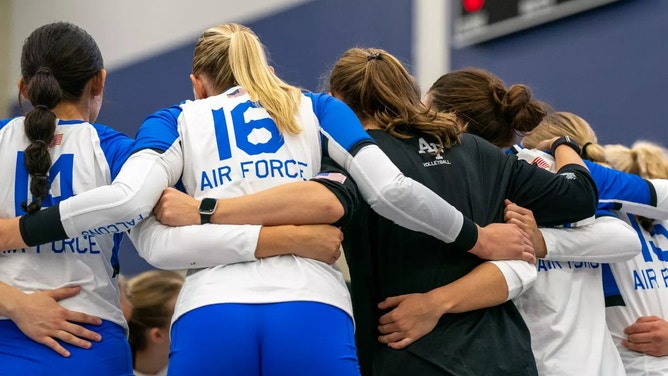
x=540, y=162
x=57, y=140
x=334, y=176
x=237, y=93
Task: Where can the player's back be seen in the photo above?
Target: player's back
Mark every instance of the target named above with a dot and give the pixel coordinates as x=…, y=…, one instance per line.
x=232, y=146
x=83, y=156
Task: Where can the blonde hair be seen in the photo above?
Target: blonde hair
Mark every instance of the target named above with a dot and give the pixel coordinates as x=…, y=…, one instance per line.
x=646, y=159
x=231, y=54
x=568, y=124
x=149, y=293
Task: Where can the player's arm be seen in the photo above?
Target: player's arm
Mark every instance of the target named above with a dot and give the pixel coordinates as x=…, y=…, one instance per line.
x=116, y=207
x=330, y=197
x=412, y=316
x=606, y=239
x=168, y=247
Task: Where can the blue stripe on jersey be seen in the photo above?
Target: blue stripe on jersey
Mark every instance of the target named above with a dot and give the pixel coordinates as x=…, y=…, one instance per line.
x=610, y=287
x=617, y=185
x=4, y=122
x=338, y=120
x=115, y=145
x=159, y=130
x=115, y=263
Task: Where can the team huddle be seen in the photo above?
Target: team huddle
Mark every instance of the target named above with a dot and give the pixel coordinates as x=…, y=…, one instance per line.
x=486, y=233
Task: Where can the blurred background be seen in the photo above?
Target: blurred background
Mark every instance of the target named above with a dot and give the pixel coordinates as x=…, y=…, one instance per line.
x=605, y=60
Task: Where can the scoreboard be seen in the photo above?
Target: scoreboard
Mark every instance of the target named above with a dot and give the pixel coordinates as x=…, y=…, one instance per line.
x=480, y=20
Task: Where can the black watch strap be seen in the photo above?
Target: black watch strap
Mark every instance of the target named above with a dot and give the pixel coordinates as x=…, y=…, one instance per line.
x=206, y=209
x=565, y=140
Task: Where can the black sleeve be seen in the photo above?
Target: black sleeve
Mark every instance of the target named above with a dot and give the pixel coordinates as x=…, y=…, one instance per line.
x=568, y=196
x=42, y=227
x=337, y=180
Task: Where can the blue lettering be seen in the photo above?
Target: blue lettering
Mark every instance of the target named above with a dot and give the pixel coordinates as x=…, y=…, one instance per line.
x=264, y=173
x=541, y=265
x=287, y=168
x=301, y=171
x=244, y=168
x=206, y=183
x=637, y=282
x=664, y=275
x=651, y=278
x=276, y=166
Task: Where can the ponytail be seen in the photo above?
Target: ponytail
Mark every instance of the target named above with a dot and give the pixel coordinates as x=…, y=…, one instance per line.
x=231, y=54
x=40, y=125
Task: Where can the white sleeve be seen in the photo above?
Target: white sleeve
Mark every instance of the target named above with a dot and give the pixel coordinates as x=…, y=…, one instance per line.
x=196, y=246
x=607, y=240
x=394, y=196
x=661, y=187
x=130, y=197
x=519, y=275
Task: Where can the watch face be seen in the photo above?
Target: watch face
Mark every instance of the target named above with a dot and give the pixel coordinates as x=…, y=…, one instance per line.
x=208, y=206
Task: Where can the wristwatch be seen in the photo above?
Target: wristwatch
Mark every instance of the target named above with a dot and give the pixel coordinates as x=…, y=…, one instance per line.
x=565, y=140
x=206, y=208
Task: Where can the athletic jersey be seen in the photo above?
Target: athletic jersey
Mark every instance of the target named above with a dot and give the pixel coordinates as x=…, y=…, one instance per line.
x=565, y=309
x=242, y=153
x=387, y=260
x=245, y=159
x=636, y=288
x=84, y=156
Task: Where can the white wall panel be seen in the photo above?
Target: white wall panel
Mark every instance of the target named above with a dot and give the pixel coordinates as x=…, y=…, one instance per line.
x=130, y=30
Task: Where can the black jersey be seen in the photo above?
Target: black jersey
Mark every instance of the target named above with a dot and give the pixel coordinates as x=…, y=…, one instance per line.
x=387, y=260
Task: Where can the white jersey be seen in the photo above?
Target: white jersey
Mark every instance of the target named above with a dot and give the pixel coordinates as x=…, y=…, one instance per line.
x=565, y=309
x=243, y=153
x=636, y=288
x=84, y=156
x=259, y=158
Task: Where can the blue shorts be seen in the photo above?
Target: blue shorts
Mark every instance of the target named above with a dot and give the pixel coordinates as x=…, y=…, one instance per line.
x=292, y=338
x=19, y=355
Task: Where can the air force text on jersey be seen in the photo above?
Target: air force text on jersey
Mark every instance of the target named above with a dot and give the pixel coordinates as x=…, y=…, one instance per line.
x=261, y=168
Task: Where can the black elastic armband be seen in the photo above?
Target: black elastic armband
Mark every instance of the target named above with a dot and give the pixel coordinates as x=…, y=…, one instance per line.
x=42, y=227
x=565, y=140
x=467, y=237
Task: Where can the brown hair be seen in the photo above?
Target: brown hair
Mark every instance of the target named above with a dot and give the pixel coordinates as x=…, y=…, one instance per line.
x=375, y=85
x=57, y=61
x=567, y=124
x=489, y=110
x=231, y=54
x=149, y=293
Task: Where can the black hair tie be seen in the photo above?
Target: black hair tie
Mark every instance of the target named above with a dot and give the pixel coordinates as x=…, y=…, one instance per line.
x=376, y=56
x=42, y=107
x=584, y=149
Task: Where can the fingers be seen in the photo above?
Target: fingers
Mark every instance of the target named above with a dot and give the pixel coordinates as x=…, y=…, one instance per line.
x=82, y=332
x=63, y=292
x=391, y=337
x=55, y=346
x=390, y=302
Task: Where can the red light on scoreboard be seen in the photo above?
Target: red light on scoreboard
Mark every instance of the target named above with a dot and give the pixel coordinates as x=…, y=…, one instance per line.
x=472, y=5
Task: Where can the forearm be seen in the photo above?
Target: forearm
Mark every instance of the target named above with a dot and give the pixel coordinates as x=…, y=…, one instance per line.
x=607, y=240
x=10, y=234
x=485, y=286
x=294, y=203
x=107, y=209
x=194, y=246
x=565, y=155
x=9, y=296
